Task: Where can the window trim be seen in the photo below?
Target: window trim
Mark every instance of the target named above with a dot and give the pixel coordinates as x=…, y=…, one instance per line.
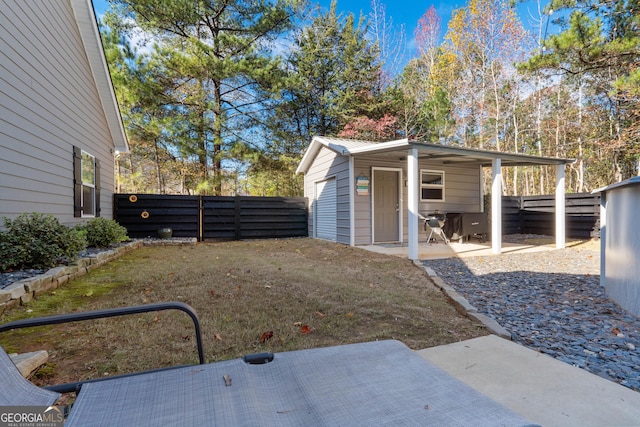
x=79, y=185
x=435, y=186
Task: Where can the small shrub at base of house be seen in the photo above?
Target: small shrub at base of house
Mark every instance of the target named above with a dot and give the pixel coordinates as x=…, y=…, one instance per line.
x=37, y=241
x=102, y=232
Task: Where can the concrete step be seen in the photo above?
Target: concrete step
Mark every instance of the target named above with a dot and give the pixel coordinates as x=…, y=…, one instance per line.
x=27, y=363
x=536, y=386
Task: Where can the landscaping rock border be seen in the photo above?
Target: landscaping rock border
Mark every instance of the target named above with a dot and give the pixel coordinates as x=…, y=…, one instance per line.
x=463, y=306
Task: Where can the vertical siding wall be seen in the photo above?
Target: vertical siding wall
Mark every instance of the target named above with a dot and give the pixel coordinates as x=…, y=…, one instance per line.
x=326, y=165
x=48, y=104
x=462, y=193
x=621, y=246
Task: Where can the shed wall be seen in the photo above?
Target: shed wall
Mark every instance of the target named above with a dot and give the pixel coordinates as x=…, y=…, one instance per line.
x=329, y=164
x=462, y=193
x=48, y=104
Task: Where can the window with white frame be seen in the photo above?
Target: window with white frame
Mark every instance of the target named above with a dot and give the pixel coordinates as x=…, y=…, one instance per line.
x=431, y=185
x=88, y=184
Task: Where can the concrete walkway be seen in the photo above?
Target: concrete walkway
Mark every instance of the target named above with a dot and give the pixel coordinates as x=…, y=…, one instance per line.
x=441, y=250
x=536, y=386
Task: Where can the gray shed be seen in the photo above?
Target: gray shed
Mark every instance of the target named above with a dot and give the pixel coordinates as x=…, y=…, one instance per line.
x=363, y=193
x=620, y=243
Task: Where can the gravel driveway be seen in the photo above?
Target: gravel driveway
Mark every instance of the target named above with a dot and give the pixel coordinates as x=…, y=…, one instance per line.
x=552, y=302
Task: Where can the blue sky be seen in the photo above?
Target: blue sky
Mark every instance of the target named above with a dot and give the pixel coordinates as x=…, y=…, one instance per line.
x=403, y=12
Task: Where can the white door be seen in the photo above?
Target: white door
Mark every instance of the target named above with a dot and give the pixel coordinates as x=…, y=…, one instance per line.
x=325, y=211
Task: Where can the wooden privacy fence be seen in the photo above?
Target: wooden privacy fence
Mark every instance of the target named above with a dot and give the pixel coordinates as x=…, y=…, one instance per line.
x=536, y=215
x=212, y=217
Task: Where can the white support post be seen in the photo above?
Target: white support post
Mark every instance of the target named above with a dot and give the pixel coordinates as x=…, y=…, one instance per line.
x=412, y=202
x=603, y=239
x=560, y=208
x=496, y=206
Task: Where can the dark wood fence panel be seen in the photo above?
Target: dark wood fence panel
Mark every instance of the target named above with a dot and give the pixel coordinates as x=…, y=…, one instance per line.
x=219, y=218
x=272, y=216
x=143, y=214
x=213, y=217
x=536, y=215
x=511, y=218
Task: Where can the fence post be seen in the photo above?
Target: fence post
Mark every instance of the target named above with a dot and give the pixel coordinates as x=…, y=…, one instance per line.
x=236, y=203
x=521, y=215
x=200, y=219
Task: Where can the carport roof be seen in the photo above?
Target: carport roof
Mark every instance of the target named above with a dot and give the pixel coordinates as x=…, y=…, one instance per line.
x=444, y=153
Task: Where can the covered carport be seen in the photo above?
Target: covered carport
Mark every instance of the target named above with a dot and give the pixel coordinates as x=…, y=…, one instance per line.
x=415, y=151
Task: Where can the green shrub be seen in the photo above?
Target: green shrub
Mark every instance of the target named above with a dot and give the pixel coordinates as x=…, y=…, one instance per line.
x=102, y=232
x=37, y=241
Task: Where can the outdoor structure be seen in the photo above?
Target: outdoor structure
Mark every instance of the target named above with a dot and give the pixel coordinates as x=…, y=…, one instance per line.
x=363, y=193
x=60, y=126
x=620, y=243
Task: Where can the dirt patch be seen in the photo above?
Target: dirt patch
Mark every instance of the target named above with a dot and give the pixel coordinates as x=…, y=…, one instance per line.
x=251, y=296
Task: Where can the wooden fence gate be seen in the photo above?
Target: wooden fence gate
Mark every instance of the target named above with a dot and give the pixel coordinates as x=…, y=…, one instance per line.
x=212, y=217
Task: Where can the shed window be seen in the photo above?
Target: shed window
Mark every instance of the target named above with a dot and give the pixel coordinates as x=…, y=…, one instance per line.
x=432, y=186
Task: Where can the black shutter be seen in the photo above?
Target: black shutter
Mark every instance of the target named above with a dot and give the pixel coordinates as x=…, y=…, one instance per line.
x=77, y=182
x=97, y=184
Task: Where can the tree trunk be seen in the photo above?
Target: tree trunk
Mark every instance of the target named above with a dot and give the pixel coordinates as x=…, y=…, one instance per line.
x=217, y=137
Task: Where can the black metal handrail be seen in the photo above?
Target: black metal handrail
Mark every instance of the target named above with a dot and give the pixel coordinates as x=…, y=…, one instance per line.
x=101, y=314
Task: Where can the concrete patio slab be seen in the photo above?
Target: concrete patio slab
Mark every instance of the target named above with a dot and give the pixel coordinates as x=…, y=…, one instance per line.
x=536, y=386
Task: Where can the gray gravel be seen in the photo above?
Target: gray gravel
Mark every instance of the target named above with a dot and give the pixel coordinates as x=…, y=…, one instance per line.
x=552, y=302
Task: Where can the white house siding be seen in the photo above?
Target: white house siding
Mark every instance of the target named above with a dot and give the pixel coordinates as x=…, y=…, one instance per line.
x=329, y=164
x=48, y=104
x=462, y=192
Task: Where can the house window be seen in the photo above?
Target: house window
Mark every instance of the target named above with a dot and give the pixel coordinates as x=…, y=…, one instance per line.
x=432, y=186
x=88, y=184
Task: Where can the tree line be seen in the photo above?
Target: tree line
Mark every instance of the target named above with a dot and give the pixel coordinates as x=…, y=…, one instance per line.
x=223, y=97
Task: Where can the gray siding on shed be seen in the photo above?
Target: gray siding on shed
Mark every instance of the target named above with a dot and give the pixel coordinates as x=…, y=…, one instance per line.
x=329, y=164
x=462, y=193
x=48, y=104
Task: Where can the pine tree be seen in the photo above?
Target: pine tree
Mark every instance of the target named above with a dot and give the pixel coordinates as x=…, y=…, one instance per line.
x=214, y=71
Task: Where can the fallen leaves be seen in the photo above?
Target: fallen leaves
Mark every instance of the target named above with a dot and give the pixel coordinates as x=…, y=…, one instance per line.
x=305, y=329
x=266, y=336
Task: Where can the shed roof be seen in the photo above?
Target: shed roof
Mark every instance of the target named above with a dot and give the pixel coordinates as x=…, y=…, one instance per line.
x=444, y=153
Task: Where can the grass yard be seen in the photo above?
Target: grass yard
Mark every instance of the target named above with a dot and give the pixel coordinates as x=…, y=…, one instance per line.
x=251, y=296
